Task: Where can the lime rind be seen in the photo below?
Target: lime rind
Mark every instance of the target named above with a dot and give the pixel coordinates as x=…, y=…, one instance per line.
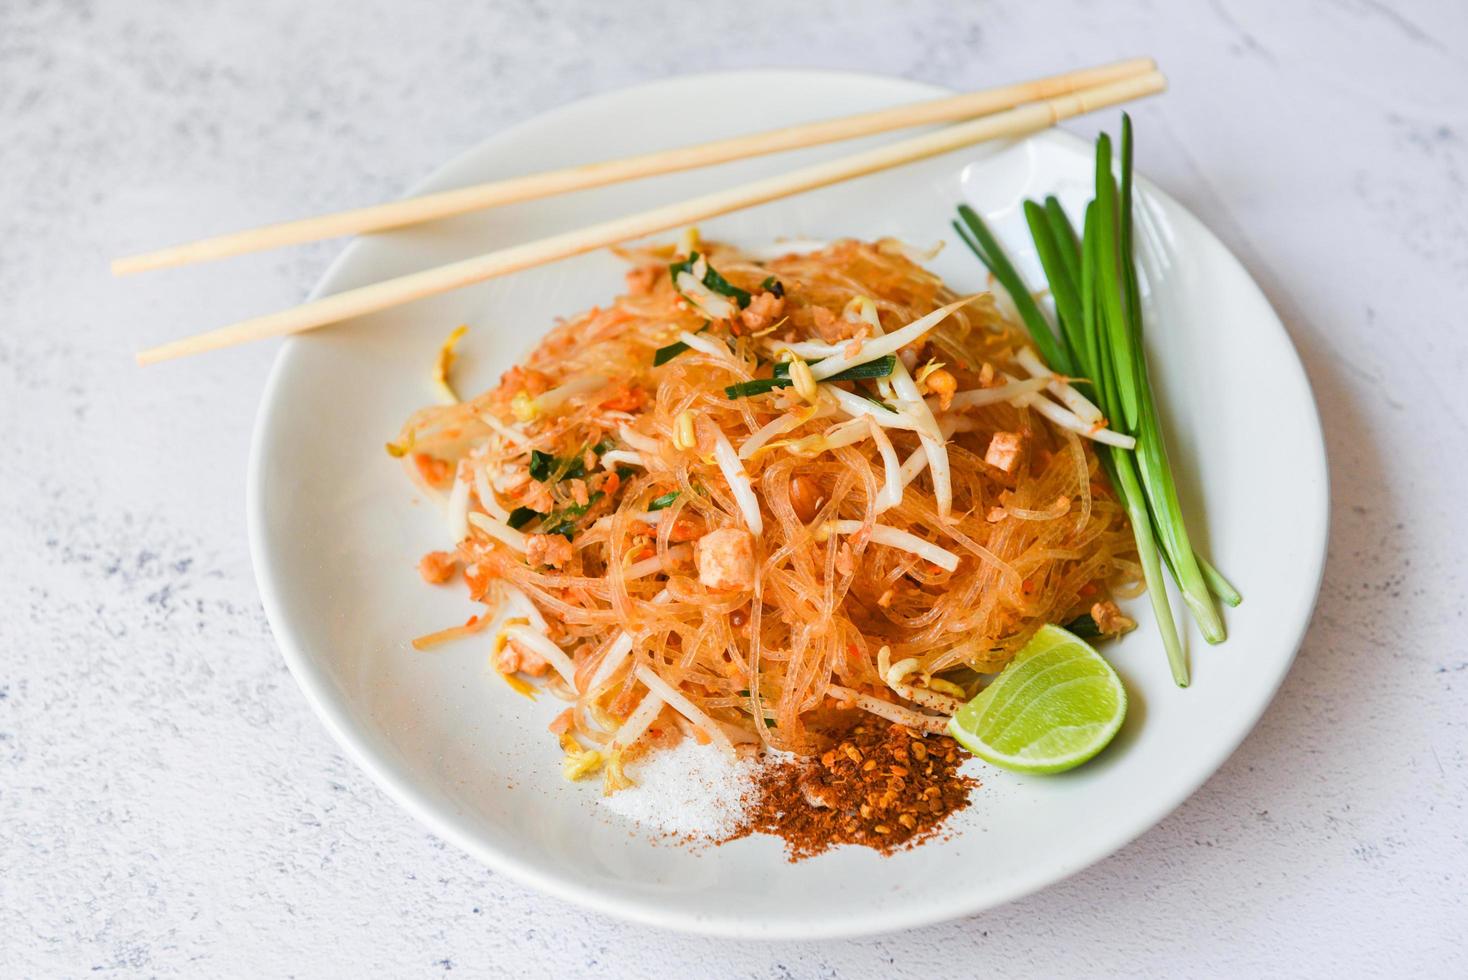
x=1055, y=706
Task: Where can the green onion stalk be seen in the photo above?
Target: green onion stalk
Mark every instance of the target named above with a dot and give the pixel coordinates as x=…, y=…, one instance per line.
x=1093, y=281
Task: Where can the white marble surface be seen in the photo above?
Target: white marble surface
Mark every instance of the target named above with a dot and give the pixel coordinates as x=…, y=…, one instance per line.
x=168, y=804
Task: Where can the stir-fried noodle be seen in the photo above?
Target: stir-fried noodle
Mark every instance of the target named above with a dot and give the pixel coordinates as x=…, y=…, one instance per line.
x=677, y=551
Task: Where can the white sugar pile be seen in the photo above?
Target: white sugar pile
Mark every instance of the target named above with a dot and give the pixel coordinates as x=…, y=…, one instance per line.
x=689, y=791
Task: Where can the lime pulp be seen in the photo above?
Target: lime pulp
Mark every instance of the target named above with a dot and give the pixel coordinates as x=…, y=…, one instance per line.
x=1055, y=706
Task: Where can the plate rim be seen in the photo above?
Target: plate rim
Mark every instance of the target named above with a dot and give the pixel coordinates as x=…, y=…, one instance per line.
x=314, y=685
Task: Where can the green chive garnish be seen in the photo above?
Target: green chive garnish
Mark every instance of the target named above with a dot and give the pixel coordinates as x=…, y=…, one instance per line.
x=666, y=500
x=880, y=368
x=1085, y=627
x=758, y=386
x=711, y=279
x=521, y=516
x=545, y=467
x=564, y=521
x=665, y=354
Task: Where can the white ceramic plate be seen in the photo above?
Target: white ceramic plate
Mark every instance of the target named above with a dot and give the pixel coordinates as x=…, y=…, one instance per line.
x=335, y=529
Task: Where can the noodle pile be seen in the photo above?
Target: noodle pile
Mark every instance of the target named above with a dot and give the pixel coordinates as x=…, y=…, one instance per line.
x=583, y=492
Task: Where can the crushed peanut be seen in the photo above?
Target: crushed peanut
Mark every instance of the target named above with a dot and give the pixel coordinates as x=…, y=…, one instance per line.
x=1110, y=620
x=944, y=385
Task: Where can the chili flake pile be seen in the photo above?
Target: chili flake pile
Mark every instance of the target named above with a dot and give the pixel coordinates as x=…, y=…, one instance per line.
x=882, y=786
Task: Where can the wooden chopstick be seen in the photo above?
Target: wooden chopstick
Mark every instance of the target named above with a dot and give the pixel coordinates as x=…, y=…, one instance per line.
x=404, y=289
x=430, y=207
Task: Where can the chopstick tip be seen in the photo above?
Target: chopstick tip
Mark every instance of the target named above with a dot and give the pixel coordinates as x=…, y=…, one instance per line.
x=125, y=266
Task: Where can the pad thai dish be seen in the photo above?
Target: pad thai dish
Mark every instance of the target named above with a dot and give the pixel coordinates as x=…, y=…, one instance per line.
x=762, y=496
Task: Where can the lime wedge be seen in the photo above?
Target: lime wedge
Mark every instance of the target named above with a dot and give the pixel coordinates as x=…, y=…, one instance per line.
x=1056, y=705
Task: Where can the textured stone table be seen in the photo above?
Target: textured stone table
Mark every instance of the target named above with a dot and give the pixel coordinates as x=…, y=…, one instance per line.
x=169, y=805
